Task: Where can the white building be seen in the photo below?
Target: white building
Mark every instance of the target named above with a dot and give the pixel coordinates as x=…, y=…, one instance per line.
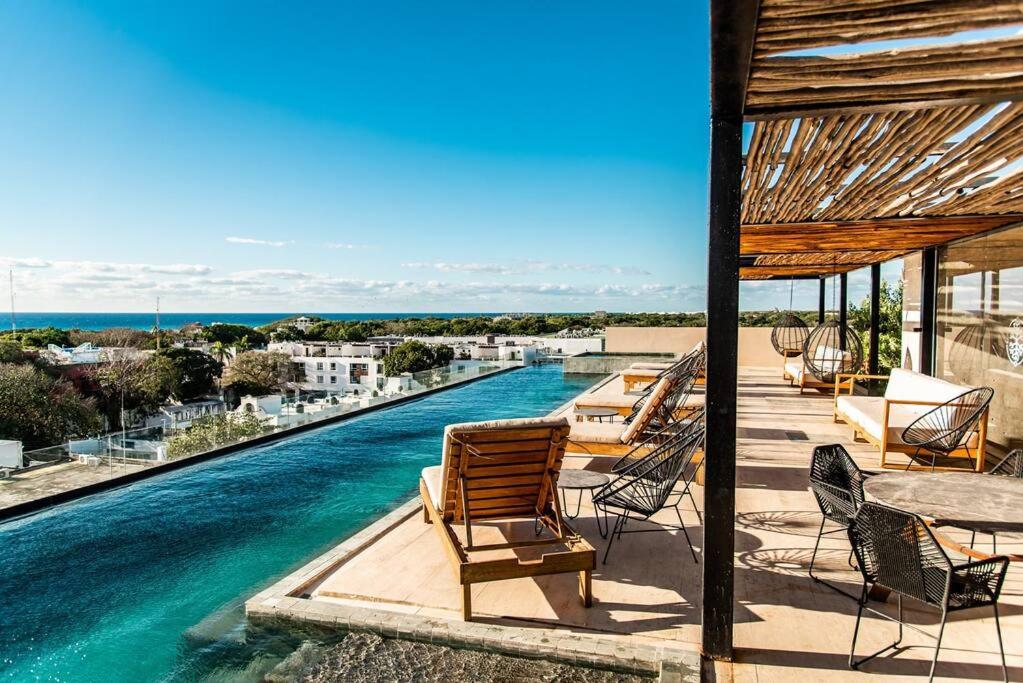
x=344, y=367
x=181, y=415
x=75, y=355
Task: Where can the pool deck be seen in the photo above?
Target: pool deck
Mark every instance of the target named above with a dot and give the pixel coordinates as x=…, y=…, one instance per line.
x=394, y=578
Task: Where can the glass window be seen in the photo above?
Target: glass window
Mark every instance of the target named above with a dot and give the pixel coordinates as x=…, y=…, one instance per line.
x=333, y=379
x=319, y=366
x=980, y=324
x=333, y=366
x=319, y=379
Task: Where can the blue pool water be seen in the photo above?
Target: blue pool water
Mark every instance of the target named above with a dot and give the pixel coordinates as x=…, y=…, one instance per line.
x=147, y=582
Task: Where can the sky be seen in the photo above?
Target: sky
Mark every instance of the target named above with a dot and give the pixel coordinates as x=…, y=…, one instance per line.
x=353, y=156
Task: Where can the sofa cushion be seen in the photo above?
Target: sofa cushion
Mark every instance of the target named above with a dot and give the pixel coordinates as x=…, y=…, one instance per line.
x=866, y=413
x=906, y=385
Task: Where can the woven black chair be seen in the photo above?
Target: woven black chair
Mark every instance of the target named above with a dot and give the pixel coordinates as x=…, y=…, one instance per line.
x=897, y=552
x=947, y=427
x=1010, y=466
x=788, y=335
x=648, y=485
x=837, y=484
x=679, y=429
x=830, y=350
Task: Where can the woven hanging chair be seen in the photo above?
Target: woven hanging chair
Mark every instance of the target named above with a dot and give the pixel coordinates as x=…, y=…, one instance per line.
x=827, y=351
x=788, y=334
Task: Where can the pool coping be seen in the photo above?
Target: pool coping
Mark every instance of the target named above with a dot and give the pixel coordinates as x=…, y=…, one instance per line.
x=288, y=599
x=36, y=505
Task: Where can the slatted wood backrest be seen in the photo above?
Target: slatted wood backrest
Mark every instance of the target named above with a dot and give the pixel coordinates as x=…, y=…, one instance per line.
x=510, y=467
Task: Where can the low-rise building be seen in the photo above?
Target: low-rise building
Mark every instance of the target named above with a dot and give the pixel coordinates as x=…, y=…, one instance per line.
x=344, y=367
x=181, y=415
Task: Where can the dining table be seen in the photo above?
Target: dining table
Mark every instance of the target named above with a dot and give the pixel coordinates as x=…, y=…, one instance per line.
x=965, y=500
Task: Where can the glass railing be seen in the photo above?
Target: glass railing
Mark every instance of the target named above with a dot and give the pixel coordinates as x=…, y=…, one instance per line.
x=85, y=461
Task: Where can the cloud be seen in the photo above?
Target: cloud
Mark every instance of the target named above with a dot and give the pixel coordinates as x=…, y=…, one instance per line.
x=341, y=245
x=25, y=263
x=262, y=243
x=462, y=267
x=528, y=267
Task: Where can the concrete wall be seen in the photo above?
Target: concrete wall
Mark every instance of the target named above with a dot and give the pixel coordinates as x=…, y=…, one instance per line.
x=754, y=342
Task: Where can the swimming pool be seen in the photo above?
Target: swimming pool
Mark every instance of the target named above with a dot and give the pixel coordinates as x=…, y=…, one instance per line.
x=147, y=582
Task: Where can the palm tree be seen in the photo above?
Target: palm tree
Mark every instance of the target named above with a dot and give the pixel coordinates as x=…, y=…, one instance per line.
x=222, y=353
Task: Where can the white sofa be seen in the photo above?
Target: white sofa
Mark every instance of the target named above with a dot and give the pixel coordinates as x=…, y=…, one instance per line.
x=909, y=395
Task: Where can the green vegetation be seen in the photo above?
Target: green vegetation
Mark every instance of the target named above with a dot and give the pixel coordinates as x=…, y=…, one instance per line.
x=132, y=387
x=192, y=374
x=415, y=356
x=41, y=410
x=38, y=338
x=259, y=373
x=889, y=347
x=211, y=432
x=234, y=335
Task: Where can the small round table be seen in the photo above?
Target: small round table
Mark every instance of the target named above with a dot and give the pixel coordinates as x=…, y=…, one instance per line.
x=597, y=413
x=975, y=502
x=581, y=480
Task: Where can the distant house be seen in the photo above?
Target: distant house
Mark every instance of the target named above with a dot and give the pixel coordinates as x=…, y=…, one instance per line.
x=181, y=415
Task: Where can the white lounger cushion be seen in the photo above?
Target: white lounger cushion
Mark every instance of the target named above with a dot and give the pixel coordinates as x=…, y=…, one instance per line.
x=619, y=433
x=906, y=385
x=643, y=372
x=613, y=401
x=432, y=479
x=660, y=367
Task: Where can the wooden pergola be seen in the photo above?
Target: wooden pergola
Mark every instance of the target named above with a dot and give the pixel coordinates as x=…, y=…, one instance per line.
x=855, y=157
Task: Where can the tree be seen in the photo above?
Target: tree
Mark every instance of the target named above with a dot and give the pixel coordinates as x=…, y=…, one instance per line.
x=11, y=352
x=259, y=372
x=208, y=433
x=232, y=334
x=132, y=386
x=193, y=374
x=40, y=338
x=286, y=333
x=889, y=347
x=415, y=356
x=40, y=410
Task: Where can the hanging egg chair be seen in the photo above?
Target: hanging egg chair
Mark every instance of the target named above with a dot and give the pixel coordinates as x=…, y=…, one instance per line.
x=788, y=335
x=790, y=331
x=830, y=350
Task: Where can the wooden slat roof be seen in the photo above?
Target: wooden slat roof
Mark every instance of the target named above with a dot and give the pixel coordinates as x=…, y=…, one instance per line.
x=879, y=153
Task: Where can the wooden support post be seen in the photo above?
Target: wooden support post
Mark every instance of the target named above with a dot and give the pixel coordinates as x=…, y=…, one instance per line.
x=732, y=26
x=821, y=302
x=843, y=308
x=875, y=316
x=928, y=303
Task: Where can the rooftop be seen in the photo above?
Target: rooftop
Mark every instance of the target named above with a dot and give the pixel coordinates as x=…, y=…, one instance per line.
x=395, y=577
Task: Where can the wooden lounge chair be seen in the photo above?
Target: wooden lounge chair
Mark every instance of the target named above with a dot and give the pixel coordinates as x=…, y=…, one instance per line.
x=619, y=438
x=640, y=374
x=503, y=471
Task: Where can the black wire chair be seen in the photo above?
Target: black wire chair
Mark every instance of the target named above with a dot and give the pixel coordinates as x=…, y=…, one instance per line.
x=947, y=427
x=829, y=350
x=788, y=335
x=897, y=552
x=1010, y=466
x=679, y=429
x=648, y=485
x=837, y=484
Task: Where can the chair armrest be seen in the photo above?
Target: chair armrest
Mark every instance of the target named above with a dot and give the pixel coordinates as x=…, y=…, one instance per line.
x=907, y=402
x=991, y=572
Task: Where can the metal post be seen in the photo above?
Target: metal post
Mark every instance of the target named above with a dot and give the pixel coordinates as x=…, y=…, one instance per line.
x=733, y=24
x=928, y=302
x=821, y=302
x=843, y=308
x=875, y=317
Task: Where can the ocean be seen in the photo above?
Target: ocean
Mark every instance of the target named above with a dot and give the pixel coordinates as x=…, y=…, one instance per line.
x=146, y=321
